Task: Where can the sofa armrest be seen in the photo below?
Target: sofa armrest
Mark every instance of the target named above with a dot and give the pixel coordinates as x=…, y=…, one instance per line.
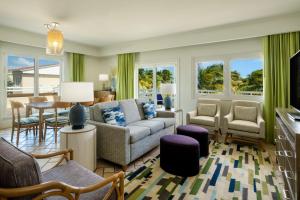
x=113, y=142
x=166, y=114
x=261, y=124
x=227, y=118
x=189, y=115
x=218, y=119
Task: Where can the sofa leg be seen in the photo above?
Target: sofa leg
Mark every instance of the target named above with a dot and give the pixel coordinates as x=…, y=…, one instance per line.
x=124, y=168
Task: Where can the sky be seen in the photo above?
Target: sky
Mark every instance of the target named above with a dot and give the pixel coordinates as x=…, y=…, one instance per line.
x=243, y=66
x=17, y=61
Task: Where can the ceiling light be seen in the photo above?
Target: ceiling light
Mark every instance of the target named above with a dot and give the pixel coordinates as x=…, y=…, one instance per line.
x=55, y=40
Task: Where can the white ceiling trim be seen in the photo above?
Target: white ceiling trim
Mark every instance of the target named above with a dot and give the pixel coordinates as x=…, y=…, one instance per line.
x=243, y=30
x=17, y=36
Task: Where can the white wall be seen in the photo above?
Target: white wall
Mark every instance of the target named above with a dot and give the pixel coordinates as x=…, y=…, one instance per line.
x=96, y=66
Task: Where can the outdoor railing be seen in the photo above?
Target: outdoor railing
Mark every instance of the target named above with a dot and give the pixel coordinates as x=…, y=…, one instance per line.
x=249, y=93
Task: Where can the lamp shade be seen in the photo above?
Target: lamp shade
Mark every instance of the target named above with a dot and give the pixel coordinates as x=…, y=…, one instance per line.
x=103, y=77
x=77, y=92
x=168, y=89
x=55, y=42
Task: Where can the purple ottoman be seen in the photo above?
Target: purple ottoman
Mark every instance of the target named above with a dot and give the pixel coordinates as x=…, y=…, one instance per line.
x=179, y=155
x=198, y=133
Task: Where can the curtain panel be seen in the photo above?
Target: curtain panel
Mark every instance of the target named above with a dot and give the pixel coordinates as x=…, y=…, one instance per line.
x=77, y=67
x=277, y=52
x=125, y=76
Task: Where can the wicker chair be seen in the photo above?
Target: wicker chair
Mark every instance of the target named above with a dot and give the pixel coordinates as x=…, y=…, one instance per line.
x=21, y=178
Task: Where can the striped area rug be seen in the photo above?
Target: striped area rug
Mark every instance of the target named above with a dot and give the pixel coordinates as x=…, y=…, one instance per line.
x=231, y=171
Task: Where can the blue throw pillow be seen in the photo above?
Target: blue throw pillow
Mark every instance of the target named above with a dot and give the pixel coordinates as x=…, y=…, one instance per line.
x=149, y=110
x=114, y=116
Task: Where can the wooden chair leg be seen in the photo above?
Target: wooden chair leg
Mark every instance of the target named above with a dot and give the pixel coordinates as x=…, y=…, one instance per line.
x=226, y=137
x=55, y=133
x=18, y=135
x=12, y=133
x=45, y=131
x=216, y=135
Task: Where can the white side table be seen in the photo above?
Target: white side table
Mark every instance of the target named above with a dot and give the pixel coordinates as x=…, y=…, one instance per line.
x=83, y=143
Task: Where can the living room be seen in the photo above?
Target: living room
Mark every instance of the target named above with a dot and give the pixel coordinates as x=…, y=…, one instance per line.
x=123, y=100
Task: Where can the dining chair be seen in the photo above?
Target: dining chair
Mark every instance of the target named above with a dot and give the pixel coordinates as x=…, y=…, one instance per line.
x=57, y=121
x=39, y=99
x=19, y=122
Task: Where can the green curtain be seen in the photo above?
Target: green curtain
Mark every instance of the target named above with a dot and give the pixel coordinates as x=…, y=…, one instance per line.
x=277, y=52
x=125, y=76
x=77, y=67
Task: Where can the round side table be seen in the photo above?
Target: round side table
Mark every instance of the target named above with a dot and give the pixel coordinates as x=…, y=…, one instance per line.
x=83, y=143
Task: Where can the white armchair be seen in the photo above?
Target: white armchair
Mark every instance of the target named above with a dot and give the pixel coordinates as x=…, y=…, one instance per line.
x=206, y=115
x=245, y=121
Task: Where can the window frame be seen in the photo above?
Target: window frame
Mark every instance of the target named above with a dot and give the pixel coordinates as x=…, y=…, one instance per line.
x=227, y=93
x=34, y=55
x=155, y=65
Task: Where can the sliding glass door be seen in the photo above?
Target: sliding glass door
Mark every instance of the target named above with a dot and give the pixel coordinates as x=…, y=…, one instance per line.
x=151, y=77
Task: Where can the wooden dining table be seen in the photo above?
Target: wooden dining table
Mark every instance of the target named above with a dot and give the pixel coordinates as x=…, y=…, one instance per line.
x=41, y=107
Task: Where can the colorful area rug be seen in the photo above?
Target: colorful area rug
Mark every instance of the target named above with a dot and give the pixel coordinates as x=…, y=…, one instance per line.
x=230, y=172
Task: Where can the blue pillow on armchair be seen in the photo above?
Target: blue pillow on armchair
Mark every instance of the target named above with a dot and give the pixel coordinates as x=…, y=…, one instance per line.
x=114, y=116
x=149, y=110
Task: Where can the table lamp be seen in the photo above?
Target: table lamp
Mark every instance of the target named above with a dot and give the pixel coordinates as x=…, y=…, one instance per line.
x=77, y=92
x=168, y=89
x=103, y=78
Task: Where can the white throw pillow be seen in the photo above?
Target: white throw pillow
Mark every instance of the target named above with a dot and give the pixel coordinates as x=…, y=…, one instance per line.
x=207, y=109
x=245, y=113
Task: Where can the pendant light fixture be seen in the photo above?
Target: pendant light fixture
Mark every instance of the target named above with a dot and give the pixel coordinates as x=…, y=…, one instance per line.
x=55, y=40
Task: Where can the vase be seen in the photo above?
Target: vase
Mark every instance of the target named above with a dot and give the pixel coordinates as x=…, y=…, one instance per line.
x=168, y=103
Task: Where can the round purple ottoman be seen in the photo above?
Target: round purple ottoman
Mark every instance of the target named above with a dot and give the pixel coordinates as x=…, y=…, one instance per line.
x=179, y=155
x=198, y=133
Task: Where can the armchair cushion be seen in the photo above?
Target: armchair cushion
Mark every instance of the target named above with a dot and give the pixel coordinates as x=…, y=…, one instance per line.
x=167, y=121
x=76, y=175
x=245, y=113
x=137, y=133
x=154, y=126
x=242, y=125
x=18, y=169
x=206, y=109
x=203, y=120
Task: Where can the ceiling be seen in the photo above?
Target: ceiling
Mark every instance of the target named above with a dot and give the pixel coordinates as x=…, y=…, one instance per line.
x=106, y=22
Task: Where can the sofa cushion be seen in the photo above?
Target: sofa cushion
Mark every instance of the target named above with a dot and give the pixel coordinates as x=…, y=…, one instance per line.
x=114, y=116
x=96, y=110
x=206, y=109
x=18, y=169
x=130, y=110
x=140, y=103
x=149, y=110
x=245, y=113
x=138, y=132
x=242, y=125
x=74, y=174
x=154, y=126
x=167, y=121
x=203, y=120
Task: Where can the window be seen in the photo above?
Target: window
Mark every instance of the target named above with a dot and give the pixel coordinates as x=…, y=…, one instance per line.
x=26, y=77
x=150, y=79
x=247, y=76
x=210, y=78
x=20, y=79
x=49, y=77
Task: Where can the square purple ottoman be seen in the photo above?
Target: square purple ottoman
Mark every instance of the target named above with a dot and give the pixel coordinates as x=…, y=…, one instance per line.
x=198, y=133
x=179, y=155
